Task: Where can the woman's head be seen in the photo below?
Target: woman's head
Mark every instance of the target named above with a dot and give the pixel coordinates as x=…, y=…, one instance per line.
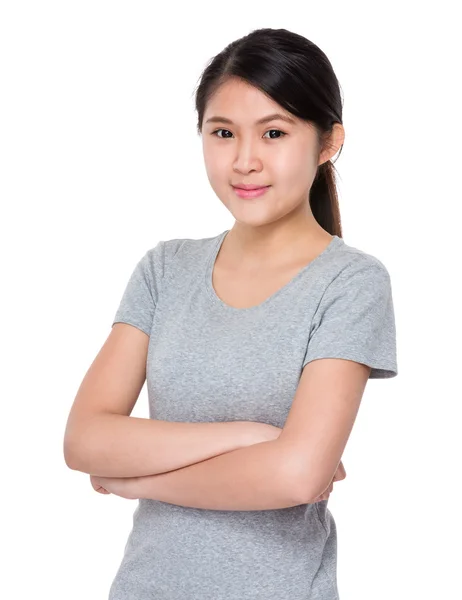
x=272, y=71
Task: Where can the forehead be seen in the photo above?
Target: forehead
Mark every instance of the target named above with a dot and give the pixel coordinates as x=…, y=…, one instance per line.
x=240, y=102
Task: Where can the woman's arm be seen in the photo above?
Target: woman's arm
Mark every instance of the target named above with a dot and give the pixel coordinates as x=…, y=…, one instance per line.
x=114, y=445
x=257, y=477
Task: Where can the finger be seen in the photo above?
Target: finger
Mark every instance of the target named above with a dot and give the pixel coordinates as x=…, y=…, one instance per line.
x=339, y=476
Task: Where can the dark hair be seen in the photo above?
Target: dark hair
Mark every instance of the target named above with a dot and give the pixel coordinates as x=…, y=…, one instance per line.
x=297, y=75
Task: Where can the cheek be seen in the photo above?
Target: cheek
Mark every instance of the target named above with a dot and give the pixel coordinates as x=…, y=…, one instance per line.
x=294, y=170
x=288, y=164
x=218, y=173
x=213, y=157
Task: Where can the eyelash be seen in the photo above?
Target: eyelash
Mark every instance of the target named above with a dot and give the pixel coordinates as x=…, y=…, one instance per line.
x=278, y=130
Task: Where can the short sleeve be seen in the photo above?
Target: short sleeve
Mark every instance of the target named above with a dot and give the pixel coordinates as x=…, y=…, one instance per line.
x=139, y=298
x=355, y=320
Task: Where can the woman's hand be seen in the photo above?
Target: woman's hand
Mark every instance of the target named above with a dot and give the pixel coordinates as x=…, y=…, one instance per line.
x=120, y=486
x=95, y=482
x=340, y=474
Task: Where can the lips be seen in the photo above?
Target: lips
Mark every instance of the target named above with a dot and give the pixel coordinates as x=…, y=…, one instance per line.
x=252, y=193
x=249, y=187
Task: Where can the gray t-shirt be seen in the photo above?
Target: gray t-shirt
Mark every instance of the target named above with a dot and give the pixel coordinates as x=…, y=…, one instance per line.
x=208, y=361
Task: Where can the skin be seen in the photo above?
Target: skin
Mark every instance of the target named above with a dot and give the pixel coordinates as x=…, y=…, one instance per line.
x=123, y=486
x=277, y=229
x=272, y=232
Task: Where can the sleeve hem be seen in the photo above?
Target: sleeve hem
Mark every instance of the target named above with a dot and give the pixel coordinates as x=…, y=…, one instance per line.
x=134, y=323
x=379, y=370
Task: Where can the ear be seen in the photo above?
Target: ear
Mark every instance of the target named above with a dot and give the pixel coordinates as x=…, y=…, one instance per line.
x=333, y=143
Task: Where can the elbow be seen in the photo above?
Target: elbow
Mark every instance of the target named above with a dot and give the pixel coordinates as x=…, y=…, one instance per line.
x=301, y=491
x=70, y=455
x=295, y=477
x=78, y=446
x=308, y=489
x=76, y=453
x=303, y=481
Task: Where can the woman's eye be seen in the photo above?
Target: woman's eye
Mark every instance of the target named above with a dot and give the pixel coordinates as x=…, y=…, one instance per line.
x=215, y=132
x=269, y=131
x=277, y=131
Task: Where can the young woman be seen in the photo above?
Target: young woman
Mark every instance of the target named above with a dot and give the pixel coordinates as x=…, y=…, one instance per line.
x=256, y=345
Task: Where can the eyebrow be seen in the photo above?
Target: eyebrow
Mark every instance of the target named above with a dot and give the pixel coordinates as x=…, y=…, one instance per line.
x=266, y=119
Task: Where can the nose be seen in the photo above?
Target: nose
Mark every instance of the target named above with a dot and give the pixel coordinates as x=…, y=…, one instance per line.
x=247, y=158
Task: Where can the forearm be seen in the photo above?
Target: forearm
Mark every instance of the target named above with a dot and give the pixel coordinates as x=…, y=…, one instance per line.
x=255, y=477
x=113, y=445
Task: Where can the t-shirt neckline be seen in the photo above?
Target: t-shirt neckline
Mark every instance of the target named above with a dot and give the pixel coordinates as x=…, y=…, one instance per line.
x=336, y=241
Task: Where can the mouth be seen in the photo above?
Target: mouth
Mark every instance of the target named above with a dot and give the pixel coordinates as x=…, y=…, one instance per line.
x=250, y=193
x=250, y=187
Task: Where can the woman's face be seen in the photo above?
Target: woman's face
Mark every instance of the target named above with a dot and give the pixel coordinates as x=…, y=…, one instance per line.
x=276, y=153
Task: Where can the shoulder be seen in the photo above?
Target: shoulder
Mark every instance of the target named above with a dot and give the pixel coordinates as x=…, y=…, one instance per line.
x=351, y=278
x=167, y=254
x=352, y=263
x=169, y=248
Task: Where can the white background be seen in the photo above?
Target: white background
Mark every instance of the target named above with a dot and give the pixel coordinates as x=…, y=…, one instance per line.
x=100, y=160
